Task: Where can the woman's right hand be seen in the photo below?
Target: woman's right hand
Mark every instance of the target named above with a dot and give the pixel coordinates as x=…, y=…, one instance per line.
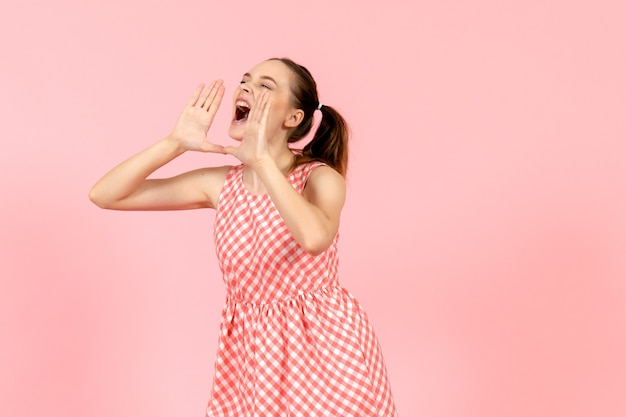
x=195, y=120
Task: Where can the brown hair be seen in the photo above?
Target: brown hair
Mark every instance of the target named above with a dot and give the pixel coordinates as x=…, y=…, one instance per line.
x=330, y=141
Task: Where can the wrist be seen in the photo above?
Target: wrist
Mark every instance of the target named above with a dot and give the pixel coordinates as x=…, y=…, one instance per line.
x=263, y=164
x=175, y=144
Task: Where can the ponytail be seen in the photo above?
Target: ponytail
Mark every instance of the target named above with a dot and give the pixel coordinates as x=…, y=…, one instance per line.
x=330, y=141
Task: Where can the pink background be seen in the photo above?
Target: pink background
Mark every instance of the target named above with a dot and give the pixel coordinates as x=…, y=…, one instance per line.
x=484, y=232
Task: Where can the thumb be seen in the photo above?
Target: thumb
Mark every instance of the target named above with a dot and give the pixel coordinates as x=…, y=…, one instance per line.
x=213, y=148
x=230, y=150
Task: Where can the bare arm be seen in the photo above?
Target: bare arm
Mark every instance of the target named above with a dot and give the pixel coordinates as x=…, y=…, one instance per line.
x=313, y=217
x=126, y=186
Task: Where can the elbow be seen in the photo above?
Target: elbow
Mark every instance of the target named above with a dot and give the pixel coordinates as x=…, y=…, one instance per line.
x=317, y=245
x=94, y=198
x=97, y=199
x=316, y=251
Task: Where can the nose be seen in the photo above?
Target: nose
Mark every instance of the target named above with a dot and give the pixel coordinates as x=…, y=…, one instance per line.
x=244, y=87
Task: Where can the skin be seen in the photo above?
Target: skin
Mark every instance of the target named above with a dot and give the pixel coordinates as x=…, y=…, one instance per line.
x=312, y=218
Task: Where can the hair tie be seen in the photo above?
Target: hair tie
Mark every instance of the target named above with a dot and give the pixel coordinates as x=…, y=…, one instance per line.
x=319, y=106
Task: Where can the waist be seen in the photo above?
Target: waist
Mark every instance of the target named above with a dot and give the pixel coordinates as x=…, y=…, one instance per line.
x=299, y=296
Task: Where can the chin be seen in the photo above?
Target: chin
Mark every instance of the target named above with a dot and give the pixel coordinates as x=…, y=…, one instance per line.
x=236, y=132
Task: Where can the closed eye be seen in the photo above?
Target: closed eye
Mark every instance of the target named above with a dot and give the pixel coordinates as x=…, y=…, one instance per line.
x=262, y=85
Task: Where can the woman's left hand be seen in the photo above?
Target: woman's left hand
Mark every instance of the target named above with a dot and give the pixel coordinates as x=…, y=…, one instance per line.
x=253, y=147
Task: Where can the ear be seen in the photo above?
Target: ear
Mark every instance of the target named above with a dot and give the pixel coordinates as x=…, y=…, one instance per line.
x=294, y=118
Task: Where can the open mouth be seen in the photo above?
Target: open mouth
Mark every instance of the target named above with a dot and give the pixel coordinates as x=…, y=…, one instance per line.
x=242, y=109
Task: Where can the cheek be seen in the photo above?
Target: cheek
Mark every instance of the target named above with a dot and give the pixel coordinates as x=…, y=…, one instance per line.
x=274, y=122
x=278, y=110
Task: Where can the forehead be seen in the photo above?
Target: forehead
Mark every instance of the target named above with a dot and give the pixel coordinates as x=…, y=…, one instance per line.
x=273, y=68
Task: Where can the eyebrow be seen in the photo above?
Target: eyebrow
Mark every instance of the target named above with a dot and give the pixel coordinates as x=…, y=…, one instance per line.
x=263, y=77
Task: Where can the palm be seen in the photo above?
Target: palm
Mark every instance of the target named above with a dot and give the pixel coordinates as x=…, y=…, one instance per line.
x=196, y=118
x=253, y=146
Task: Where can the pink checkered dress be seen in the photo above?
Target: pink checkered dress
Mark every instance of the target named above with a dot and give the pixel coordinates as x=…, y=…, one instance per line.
x=292, y=341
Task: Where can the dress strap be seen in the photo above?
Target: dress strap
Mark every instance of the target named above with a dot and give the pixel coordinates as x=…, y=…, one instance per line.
x=300, y=175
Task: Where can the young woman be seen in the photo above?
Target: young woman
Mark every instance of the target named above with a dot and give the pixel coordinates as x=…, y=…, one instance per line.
x=293, y=342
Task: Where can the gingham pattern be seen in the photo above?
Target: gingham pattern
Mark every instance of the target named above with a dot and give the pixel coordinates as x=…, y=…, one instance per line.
x=292, y=341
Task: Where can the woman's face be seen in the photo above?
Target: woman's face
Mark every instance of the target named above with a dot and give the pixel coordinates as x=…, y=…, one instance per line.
x=272, y=76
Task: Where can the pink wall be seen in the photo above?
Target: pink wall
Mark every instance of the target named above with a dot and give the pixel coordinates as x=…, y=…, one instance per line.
x=485, y=229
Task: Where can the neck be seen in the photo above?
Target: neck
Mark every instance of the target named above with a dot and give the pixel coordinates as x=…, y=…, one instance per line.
x=279, y=151
x=284, y=159
x=282, y=156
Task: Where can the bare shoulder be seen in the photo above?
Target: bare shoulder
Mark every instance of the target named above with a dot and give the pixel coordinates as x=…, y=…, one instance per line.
x=213, y=173
x=212, y=180
x=326, y=186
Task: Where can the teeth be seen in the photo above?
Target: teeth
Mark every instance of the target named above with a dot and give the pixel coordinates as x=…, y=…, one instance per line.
x=242, y=104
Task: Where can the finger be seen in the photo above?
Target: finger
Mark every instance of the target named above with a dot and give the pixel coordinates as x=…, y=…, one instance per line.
x=257, y=111
x=262, y=109
x=215, y=104
x=203, y=96
x=213, y=93
x=195, y=95
x=230, y=150
x=217, y=100
x=214, y=148
x=265, y=109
